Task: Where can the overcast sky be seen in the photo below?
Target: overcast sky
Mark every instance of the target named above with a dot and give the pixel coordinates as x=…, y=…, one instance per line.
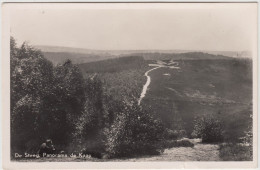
x=211, y=26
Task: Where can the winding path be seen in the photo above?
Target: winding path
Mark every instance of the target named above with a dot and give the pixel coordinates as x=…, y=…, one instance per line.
x=159, y=64
x=148, y=81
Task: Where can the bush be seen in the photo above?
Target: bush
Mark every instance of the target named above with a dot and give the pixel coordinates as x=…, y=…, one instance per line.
x=208, y=128
x=174, y=134
x=134, y=132
x=178, y=143
x=235, y=152
x=170, y=134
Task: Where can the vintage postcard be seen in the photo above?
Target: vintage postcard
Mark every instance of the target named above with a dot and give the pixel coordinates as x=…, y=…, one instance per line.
x=129, y=85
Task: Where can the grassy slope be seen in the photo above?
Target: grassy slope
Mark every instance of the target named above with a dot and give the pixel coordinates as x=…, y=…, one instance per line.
x=221, y=87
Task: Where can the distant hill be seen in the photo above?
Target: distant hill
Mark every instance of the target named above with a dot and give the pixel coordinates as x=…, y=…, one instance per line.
x=181, y=56
x=76, y=58
x=78, y=55
x=113, y=65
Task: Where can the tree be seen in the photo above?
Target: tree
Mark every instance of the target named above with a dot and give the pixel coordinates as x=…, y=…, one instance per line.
x=91, y=120
x=68, y=101
x=57, y=103
x=45, y=101
x=133, y=132
x=31, y=84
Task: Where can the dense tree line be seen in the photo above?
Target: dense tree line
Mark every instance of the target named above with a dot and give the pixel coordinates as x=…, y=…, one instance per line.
x=56, y=102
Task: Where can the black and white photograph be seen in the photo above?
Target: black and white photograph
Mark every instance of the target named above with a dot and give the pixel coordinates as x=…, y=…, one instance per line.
x=130, y=82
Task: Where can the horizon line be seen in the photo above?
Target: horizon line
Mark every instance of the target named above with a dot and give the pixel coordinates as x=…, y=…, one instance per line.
x=57, y=46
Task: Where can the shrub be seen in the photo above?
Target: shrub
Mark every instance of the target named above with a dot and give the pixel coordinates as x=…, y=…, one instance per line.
x=133, y=132
x=178, y=143
x=235, y=152
x=184, y=143
x=208, y=128
x=174, y=134
x=170, y=134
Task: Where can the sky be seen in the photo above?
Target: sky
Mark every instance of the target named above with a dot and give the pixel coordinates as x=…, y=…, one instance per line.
x=170, y=26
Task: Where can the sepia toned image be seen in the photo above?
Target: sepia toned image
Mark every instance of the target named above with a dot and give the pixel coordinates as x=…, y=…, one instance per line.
x=117, y=83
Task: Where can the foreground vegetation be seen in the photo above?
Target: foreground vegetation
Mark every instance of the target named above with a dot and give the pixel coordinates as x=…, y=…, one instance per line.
x=236, y=152
x=57, y=102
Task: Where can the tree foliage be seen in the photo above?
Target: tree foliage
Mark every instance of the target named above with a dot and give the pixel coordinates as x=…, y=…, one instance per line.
x=45, y=100
x=57, y=102
x=133, y=132
x=31, y=88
